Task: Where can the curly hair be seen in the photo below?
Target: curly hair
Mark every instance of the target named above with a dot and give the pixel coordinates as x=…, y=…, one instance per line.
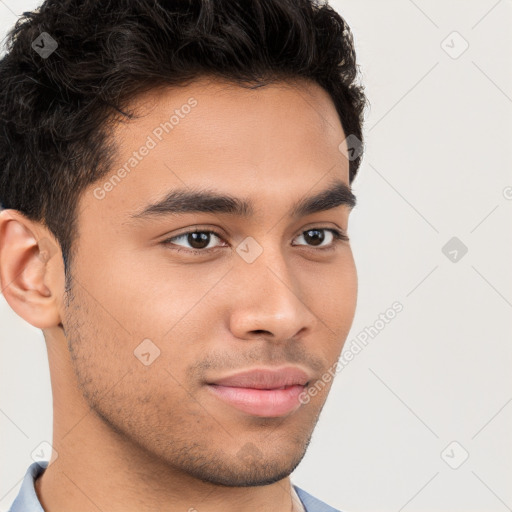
x=56, y=110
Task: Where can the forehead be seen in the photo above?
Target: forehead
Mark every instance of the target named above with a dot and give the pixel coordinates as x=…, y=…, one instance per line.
x=274, y=140
x=211, y=114
x=298, y=98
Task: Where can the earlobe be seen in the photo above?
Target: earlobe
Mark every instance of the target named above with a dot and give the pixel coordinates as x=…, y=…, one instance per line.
x=29, y=269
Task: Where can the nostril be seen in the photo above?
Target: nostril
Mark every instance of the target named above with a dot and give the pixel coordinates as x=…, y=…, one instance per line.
x=261, y=331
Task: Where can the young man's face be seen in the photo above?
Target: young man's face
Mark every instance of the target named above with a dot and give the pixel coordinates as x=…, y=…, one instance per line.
x=261, y=294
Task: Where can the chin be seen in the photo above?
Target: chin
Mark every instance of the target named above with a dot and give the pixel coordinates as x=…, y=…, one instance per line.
x=246, y=477
x=250, y=468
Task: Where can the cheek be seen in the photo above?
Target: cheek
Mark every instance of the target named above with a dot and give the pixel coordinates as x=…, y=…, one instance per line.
x=348, y=283
x=117, y=374
x=332, y=297
x=331, y=291
x=150, y=296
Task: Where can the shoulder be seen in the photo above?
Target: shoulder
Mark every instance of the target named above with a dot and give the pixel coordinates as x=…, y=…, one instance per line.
x=313, y=504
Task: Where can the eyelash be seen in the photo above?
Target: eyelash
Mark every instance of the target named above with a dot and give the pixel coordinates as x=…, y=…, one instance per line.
x=339, y=237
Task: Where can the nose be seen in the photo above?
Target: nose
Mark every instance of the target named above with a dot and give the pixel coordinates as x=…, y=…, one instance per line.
x=268, y=301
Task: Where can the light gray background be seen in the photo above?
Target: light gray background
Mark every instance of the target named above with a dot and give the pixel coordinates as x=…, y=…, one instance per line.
x=437, y=165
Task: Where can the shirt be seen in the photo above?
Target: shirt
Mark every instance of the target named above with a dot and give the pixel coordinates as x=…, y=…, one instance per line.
x=27, y=500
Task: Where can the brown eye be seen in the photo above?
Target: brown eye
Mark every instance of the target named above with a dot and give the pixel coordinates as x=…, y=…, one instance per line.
x=194, y=240
x=316, y=237
x=198, y=240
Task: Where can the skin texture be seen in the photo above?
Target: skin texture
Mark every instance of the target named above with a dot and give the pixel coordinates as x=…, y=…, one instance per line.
x=131, y=436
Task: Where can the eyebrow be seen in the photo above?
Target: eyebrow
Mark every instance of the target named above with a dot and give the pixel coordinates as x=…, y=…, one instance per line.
x=181, y=201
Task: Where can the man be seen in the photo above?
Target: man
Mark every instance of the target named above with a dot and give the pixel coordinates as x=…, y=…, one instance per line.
x=176, y=184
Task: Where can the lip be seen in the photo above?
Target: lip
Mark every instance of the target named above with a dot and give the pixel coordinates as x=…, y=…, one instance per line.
x=262, y=392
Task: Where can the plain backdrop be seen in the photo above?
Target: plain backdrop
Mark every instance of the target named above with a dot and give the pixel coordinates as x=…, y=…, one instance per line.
x=421, y=418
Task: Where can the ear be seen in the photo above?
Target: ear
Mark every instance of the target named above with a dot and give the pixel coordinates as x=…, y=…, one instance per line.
x=31, y=269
